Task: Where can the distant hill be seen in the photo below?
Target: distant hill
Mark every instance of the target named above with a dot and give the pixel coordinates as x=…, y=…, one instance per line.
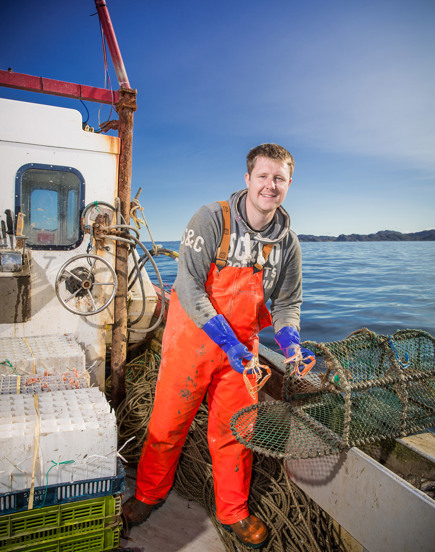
x=383, y=235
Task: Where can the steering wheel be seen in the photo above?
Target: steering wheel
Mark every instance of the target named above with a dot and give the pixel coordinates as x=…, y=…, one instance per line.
x=83, y=281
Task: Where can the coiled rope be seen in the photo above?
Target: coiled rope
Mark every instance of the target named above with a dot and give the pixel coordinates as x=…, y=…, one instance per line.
x=295, y=522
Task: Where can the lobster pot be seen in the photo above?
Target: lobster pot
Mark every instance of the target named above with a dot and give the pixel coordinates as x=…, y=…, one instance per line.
x=369, y=387
x=42, y=355
x=362, y=389
x=57, y=437
x=418, y=351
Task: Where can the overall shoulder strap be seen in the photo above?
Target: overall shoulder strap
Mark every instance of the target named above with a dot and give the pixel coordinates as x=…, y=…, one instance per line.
x=222, y=252
x=266, y=250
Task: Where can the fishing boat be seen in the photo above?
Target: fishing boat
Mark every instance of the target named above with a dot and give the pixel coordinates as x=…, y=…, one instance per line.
x=78, y=306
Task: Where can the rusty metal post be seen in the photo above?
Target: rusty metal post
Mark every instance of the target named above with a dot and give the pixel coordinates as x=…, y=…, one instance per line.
x=125, y=109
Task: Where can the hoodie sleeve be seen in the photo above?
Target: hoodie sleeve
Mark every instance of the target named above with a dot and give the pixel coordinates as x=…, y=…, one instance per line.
x=286, y=298
x=197, y=251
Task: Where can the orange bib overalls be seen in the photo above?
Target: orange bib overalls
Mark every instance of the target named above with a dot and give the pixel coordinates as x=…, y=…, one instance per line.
x=193, y=365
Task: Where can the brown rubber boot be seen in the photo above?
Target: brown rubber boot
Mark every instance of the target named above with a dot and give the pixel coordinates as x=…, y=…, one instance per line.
x=251, y=531
x=136, y=512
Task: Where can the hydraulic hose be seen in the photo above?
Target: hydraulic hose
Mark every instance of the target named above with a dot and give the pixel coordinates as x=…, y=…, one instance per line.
x=142, y=288
x=132, y=241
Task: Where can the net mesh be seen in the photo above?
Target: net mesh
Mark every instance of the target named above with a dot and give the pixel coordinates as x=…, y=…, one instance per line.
x=362, y=389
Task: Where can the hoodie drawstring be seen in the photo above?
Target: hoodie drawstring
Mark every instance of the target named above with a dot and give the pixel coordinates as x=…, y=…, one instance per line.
x=260, y=258
x=247, y=255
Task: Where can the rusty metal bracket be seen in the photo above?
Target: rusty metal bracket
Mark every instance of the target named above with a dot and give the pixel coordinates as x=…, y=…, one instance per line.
x=109, y=125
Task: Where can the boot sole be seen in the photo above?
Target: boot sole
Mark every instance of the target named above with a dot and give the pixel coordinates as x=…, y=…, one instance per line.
x=136, y=523
x=248, y=544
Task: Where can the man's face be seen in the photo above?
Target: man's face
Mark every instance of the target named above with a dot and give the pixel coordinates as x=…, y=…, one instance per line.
x=267, y=185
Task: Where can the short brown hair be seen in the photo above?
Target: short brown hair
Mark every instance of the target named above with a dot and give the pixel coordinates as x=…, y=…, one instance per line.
x=272, y=151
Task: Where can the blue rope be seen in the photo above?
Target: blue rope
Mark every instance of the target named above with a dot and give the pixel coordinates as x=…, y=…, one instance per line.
x=396, y=354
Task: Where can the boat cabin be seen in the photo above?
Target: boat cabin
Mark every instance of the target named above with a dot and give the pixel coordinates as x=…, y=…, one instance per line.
x=51, y=170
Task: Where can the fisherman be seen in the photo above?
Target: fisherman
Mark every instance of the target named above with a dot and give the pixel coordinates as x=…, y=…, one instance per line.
x=234, y=256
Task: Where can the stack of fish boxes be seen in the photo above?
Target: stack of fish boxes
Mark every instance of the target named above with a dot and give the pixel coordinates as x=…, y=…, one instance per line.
x=72, y=434
x=58, y=445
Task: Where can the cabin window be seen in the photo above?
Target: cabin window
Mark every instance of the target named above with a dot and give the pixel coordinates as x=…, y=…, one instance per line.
x=52, y=200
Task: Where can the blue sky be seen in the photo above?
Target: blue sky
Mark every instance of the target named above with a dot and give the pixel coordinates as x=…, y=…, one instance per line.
x=348, y=87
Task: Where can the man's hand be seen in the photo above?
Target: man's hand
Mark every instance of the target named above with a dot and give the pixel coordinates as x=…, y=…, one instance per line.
x=218, y=329
x=289, y=342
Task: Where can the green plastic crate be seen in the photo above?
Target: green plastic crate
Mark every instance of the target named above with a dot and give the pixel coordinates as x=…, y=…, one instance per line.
x=56, y=523
x=97, y=541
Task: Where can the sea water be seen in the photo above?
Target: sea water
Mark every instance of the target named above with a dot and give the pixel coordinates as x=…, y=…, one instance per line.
x=382, y=286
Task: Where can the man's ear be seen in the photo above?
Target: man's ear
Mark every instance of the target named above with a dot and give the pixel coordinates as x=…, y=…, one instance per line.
x=247, y=179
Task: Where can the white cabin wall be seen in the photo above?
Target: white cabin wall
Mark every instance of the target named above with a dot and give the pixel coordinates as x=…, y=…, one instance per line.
x=32, y=133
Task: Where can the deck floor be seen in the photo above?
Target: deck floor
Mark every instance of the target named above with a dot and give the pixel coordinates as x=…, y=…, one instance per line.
x=179, y=525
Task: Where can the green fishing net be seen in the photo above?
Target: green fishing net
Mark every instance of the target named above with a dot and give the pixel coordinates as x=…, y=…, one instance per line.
x=362, y=389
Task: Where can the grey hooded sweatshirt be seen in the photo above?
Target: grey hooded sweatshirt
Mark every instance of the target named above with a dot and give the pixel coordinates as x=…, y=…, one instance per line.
x=282, y=272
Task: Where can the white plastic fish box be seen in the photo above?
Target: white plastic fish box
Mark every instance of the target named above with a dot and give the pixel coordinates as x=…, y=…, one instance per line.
x=35, y=384
x=45, y=355
x=73, y=431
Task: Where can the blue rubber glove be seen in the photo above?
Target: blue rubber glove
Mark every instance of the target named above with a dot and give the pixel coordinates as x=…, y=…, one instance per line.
x=289, y=342
x=218, y=329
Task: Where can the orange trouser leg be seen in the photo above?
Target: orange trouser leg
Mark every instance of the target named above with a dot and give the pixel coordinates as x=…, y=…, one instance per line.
x=232, y=462
x=193, y=364
x=180, y=389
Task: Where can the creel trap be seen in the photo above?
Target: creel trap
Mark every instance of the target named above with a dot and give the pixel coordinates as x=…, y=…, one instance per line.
x=362, y=389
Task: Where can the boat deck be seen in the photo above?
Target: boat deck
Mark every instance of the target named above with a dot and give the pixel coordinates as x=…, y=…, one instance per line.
x=180, y=525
